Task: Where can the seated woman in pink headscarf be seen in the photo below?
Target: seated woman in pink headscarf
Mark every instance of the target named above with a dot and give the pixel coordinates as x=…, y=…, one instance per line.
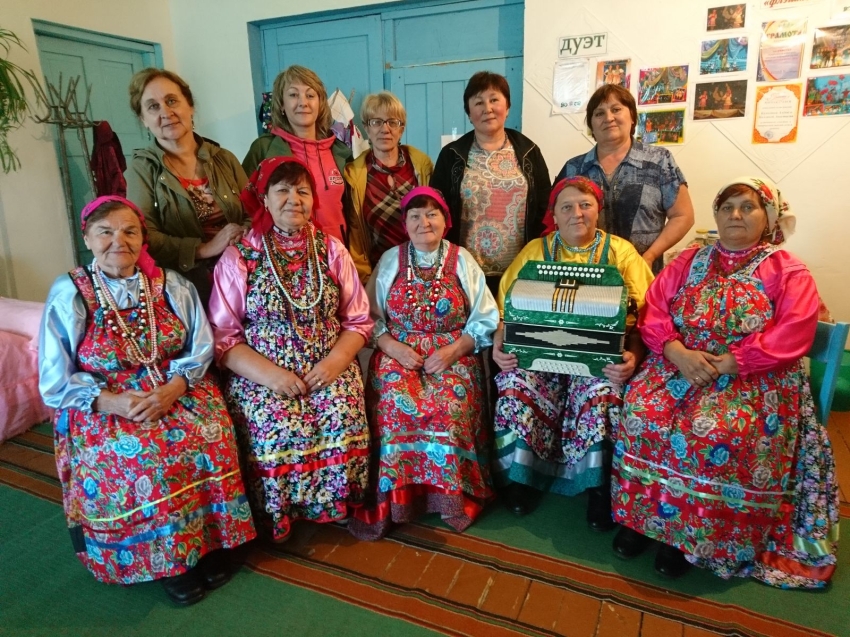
x=719, y=456
x=290, y=315
x=433, y=313
x=145, y=449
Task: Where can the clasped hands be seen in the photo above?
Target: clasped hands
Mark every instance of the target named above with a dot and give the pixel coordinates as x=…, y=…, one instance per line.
x=438, y=361
x=697, y=367
x=321, y=375
x=142, y=406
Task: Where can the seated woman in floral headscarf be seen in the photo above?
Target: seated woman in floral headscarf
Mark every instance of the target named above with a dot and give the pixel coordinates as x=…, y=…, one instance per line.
x=720, y=456
x=433, y=313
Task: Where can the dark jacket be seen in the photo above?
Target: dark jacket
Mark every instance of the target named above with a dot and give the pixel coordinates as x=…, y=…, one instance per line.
x=107, y=161
x=451, y=164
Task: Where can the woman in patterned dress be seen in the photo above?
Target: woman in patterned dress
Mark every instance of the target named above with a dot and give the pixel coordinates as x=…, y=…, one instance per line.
x=144, y=447
x=551, y=429
x=495, y=180
x=433, y=313
x=290, y=315
x=720, y=457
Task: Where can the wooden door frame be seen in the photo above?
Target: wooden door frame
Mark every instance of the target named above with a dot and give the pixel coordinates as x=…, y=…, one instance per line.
x=151, y=51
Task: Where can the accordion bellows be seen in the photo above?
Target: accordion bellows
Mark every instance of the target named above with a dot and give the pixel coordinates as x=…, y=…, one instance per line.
x=566, y=318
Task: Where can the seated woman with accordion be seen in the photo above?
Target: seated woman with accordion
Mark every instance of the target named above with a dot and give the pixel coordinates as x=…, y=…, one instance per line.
x=551, y=429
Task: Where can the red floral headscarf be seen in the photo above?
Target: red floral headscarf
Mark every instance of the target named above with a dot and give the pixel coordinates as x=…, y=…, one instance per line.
x=145, y=261
x=574, y=181
x=254, y=193
x=780, y=220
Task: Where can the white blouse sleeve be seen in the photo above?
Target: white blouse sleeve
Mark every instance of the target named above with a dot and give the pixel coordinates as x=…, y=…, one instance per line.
x=483, y=312
x=63, y=327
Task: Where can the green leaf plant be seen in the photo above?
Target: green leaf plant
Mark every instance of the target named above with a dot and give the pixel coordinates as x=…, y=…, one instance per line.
x=13, y=100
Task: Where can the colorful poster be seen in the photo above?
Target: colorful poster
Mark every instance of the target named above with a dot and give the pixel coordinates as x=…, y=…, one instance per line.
x=665, y=127
x=663, y=85
x=569, y=86
x=614, y=72
x=720, y=100
x=777, y=113
x=723, y=56
x=732, y=16
x=831, y=47
x=827, y=95
x=781, y=50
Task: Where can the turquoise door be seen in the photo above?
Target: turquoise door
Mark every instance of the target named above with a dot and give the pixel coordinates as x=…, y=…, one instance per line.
x=108, y=71
x=345, y=54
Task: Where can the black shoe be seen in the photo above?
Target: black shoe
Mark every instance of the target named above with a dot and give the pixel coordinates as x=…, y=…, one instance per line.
x=518, y=497
x=216, y=569
x=629, y=544
x=671, y=562
x=185, y=589
x=599, y=517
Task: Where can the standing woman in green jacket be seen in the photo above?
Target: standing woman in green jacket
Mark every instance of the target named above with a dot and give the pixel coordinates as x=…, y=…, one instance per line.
x=301, y=128
x=187, y=186
x=379, y=179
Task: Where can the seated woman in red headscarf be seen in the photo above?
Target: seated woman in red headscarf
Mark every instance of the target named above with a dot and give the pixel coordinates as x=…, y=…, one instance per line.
x=720, y=458
x=144, y=447
x=290, y=315
x=425, y=397
x=552, y=429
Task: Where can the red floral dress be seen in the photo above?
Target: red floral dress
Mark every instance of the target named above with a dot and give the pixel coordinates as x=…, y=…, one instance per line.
x=738, y=474
x=147, y=500
x=429, y=438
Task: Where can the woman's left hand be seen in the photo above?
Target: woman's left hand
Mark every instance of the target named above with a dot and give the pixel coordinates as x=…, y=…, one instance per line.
x=158, y=402
x=725, y=364
x=620, y=373
x=325, y=371
x=441, y=359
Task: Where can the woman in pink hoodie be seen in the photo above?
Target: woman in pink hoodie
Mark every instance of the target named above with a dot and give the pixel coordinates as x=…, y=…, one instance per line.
x=301, y=127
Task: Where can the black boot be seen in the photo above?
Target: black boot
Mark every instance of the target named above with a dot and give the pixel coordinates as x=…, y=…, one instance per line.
x=599, y=517
x=216, y=569
x=518, y=497
x=629, y=544
x=185, y=589
x=671, y=562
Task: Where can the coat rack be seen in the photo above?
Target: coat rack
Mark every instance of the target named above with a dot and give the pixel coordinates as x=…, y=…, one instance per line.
x=64, y=112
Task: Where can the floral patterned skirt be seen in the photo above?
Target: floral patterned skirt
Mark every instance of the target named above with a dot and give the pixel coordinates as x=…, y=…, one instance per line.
x=148, y=500
x=307, y=457
x=430, y=446
x=738, y=475
x=549, y=429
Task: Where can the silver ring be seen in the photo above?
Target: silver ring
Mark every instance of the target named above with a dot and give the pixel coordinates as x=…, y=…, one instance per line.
x=698, y=379
x=319, y=383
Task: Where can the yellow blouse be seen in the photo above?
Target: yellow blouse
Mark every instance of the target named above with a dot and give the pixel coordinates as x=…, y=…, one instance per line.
x=635, y=272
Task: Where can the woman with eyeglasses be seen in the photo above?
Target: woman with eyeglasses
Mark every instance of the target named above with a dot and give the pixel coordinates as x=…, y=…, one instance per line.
x=378, y=180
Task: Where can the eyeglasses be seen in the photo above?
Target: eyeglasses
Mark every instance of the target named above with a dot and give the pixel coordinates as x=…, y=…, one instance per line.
x=376, y=122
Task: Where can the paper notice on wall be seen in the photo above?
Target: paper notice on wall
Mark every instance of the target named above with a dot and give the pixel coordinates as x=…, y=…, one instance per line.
x=777, y=113
x=781, y=50
x=768, y=5
x=570, y=86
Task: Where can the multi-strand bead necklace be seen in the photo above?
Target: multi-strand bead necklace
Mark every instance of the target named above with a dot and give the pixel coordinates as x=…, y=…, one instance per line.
x=415, y=272
x=591, y=248
x=147, y=324
x=285, y=279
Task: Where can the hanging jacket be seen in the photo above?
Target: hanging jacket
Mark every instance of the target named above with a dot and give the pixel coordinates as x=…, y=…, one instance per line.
x=107, y=162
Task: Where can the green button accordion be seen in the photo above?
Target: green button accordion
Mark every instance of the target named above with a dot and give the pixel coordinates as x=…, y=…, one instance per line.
x=566, y=318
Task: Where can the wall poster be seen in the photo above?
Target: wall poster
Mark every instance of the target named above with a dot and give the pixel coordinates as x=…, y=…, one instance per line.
x=732, y=16
x=728, y=55
x=831, y=47
x=663, y=85
x=662, y=127
x=720, y=100
x=827, y=95
x=777, y=113
x=781, y=50
x=614, y=72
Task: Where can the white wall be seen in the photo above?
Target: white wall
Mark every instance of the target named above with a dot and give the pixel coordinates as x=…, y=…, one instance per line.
x=811, y=173
x=35, y=241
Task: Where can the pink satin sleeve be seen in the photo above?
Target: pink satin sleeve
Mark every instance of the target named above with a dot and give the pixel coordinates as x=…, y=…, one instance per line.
x=655, y=322
x=353, y=309
x=227, y=302
x=789, y=335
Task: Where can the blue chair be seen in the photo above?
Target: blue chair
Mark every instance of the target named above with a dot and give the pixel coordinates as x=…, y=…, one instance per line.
x=828, y=349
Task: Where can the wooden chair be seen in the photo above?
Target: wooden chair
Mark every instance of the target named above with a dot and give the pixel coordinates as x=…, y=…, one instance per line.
x=828, y=349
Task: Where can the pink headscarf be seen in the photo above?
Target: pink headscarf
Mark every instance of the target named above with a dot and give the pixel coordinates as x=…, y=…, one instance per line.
x=145, y=261
x=253, y=194
x=434, y=194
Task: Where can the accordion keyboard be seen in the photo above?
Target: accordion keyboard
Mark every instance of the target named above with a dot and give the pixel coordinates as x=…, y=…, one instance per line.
x=560, y=367
x=585, y=300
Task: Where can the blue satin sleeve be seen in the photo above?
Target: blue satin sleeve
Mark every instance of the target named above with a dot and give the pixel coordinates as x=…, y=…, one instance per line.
x=483, y=312
x=378, y=288
x=198, y=349
x=63, y=327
